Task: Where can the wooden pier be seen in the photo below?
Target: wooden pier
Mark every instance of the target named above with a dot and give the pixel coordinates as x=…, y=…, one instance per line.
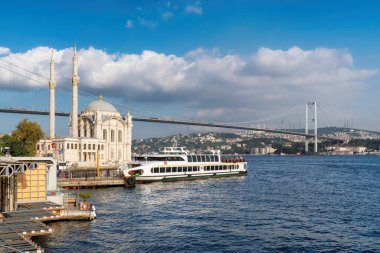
x=90, y=182
x=90, y=179
x=18, y=227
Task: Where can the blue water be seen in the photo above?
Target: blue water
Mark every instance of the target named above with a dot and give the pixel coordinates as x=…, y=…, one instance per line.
x=284, y=204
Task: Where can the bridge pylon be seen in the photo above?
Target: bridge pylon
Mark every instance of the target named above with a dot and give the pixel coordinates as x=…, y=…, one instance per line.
x=307, y=121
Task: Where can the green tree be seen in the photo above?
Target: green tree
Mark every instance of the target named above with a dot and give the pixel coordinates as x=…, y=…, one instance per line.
x=25, y=137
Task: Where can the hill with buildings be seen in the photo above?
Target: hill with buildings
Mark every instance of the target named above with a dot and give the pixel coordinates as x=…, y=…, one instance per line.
x=260, y=142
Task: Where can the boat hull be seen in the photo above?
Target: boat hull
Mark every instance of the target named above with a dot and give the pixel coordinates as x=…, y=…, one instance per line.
x=187, y=177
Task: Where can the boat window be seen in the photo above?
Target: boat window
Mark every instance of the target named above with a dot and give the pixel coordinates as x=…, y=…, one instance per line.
x=212, y=158
x=184, y=169
x=179, y=169
x=194, y=158
x=216, y=158
x=203, y=159
x=189, y=168
x=206, y=168
x=190, y=158
x=162, y=170
x=207, y=158
x=198, y=158
x=195, y=168
x=174, y=169
x=168, y=170
x=156, y=170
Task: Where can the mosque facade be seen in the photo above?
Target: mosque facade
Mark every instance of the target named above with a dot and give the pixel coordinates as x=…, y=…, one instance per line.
x=98, y=135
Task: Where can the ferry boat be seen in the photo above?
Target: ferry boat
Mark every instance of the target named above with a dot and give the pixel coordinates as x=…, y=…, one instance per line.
x=176, y=164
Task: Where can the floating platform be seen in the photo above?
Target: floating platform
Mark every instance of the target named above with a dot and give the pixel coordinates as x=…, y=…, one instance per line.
x=18, y=227
x=90, y=182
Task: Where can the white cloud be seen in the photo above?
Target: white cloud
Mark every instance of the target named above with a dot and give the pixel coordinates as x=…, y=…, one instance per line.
x=4, y=50
x=129, y=24
x=195, y=8
x=166, y=15
x=147, y=23
x=204, y=83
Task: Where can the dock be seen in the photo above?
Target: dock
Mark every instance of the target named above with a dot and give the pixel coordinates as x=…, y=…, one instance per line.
x=89, y=179
x=18, y=227
x=90, y=183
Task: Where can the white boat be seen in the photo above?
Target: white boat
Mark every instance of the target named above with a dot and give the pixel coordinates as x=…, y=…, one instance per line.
x=176, y=164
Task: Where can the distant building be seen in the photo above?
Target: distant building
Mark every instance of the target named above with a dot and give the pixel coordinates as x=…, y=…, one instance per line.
x=263, y=150
x=348, y=150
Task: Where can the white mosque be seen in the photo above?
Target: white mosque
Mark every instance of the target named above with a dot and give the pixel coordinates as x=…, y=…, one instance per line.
x=100, y=131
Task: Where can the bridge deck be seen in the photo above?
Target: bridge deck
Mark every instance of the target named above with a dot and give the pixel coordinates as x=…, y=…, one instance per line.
x=189, y=123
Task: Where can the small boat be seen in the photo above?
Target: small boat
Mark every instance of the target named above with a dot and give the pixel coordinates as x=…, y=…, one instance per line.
x=176, y=164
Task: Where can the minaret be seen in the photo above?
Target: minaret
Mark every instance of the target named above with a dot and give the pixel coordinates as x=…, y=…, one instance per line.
x=75, y=81
x=129, y=137
x=52, y=84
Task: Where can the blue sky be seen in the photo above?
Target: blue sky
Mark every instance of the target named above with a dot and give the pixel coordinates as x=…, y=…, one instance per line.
x=274, y=55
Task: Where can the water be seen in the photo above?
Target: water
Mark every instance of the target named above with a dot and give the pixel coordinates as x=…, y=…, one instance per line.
x=285, y=204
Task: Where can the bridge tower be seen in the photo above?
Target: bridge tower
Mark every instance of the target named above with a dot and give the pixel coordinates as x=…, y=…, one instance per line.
x=315, y=120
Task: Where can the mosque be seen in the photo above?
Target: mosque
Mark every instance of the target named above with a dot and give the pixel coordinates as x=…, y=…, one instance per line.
x=98, y=132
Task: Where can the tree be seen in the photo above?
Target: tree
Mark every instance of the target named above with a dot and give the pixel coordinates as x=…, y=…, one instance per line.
x=25, y=137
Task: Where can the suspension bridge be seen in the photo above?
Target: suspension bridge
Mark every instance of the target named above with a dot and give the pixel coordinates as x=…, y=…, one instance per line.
x=282, y=123
x=247, y=126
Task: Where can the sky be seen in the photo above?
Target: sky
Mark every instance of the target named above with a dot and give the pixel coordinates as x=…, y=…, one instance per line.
x=213, y=61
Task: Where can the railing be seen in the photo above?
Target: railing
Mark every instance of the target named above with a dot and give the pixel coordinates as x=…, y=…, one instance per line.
x=89, y=175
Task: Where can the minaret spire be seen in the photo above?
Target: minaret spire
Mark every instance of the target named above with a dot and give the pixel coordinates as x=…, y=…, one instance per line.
x=52, y=85
x=75, y=81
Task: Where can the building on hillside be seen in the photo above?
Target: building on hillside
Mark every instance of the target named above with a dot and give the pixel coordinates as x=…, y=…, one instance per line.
x=99, y=131
x=348, y=150
x=263, y=151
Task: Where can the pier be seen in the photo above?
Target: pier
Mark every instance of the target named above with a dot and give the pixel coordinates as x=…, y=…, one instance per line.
x=18, y=227
x=26, y=187
x=90, y=179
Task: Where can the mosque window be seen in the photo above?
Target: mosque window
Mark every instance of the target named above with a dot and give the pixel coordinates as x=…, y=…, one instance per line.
x=104, y=134
x=72, y=146
x=85, y=133
x=79, y=132
x=98, y=146
x=93, y=146
x=102, y=147
x=84, y=146
x=76, y=146
x=38, y=147
x=119, y=137
x=112, y=135
x=68, y=146
x=92, y=132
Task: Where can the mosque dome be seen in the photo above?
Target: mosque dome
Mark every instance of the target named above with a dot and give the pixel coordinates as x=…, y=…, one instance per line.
x=101, y=105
